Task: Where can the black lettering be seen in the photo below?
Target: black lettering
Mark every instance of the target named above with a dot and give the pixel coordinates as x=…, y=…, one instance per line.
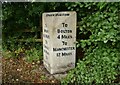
x=45, y=30
x=46, y=51
x=66, y=36
x=58, y=31
x=63, y=49
x=64, y=31
x=66, y=54
x=58, y=54
x=64, y=25
x=46, y=36
x=57, y=14
x=58, y=36
x=46, y=47
x=64, y=43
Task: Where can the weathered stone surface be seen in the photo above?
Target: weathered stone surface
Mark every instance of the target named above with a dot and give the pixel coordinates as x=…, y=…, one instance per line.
x=59, y=36
x=60, y=76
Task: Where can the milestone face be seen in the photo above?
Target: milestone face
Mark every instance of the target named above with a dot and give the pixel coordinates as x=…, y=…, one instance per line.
x=59, y=37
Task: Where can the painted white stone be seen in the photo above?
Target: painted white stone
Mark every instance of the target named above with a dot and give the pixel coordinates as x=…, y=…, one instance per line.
x=59, y=37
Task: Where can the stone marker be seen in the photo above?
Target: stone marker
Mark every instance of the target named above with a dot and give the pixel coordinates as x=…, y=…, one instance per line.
x=59, y=37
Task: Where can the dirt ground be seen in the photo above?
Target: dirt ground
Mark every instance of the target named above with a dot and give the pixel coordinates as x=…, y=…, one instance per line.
x=19, y=71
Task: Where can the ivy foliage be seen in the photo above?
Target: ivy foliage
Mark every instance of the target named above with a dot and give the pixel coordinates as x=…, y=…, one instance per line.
x=19, y=16
x=102, y=53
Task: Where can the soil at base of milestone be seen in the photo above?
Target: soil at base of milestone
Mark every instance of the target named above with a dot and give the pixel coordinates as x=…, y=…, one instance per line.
x=19, y=71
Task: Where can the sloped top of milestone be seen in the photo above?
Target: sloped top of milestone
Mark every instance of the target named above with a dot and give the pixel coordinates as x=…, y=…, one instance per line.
x=62, y=13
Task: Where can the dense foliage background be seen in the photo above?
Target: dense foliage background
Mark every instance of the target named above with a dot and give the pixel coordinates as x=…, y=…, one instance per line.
x=99, y=21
